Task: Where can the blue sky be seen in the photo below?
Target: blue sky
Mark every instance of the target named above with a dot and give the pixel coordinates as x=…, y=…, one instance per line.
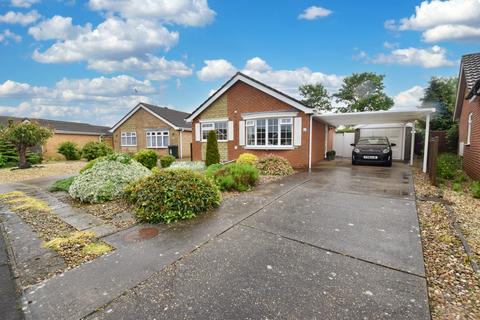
x=94, y=60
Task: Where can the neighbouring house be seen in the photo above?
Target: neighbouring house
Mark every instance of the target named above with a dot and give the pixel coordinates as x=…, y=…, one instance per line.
x=249, y=116
x=467, y=113
x=79, y=133
x=152, y=127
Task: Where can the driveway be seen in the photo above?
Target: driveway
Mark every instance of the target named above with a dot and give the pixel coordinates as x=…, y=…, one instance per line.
x=339, y=243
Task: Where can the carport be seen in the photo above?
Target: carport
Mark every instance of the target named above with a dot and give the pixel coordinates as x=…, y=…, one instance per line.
x=383, y=117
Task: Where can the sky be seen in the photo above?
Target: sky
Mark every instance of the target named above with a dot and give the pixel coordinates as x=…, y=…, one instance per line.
x=92, y=61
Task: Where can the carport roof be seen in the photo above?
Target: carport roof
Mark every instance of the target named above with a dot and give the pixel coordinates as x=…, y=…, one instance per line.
x=375, y=117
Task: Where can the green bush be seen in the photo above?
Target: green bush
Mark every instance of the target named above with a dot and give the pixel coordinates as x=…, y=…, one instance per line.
x=212, y=155
x=93, y=150
x=90, y=164
x=69, y=150
x=447, y=166
x=9, y=153
x=106, y=179
x=61, y=185
x=233, y=176
x=124, y=158
x=166, y=160
x=3, y=161
x=146, y=157
x=34, y=158
x=273, y=165
x=452, y=137
x=475, y=188
x=247, y=158
x=172, y=195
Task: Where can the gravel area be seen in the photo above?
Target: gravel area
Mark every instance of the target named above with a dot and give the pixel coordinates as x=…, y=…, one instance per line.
x=453, y=287
x=39, y=171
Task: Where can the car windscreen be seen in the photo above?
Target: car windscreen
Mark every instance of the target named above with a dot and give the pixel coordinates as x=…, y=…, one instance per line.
x=372, y=141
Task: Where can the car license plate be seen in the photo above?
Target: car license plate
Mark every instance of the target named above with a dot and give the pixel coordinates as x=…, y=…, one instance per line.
x=370, y=157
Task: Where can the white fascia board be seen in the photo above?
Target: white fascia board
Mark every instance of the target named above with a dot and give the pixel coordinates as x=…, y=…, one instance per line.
x=240, y=77
x=146, y=109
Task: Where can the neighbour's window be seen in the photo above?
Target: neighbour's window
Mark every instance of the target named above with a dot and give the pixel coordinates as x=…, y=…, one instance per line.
x=220, y=128
x=129, y=139
x=269, y=132
x=157, y=139
x=469, y=128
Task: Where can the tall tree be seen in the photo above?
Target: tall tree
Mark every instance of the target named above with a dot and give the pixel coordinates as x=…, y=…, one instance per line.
x=24, y=135
x=316, y=96
x=440, y=94
x=363, y=92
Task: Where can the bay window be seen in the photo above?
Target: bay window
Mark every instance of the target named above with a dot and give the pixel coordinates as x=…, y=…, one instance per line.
x=274, y=132
x=220, y=127
x=128, y=139
x=158, y=139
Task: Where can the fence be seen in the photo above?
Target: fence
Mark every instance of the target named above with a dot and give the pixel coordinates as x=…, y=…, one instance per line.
x=432, y=160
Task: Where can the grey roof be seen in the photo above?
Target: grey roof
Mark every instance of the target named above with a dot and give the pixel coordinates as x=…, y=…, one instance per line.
x=471, y=69
x=177, y=118
x=62, y=126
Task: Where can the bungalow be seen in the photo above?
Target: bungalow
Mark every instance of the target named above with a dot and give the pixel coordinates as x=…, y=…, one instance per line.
x=467, y=113
x=152, y=127
x=249, y=116
x=77, y=132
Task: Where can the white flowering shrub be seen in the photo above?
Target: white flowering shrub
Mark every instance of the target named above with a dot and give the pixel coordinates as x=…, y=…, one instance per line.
x=106, y=180
x=191, y=165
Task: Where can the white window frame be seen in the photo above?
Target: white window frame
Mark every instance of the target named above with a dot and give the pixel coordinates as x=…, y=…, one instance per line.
x=132, y=135
x=211, y=126
x=155, y=134
x=278, y=145
x=469, y=128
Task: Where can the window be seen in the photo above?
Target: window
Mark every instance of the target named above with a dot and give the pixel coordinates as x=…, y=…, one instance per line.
x=128, y=139
x=269, y=132
x=469, y=128
x=157, y=139
x=220, y=127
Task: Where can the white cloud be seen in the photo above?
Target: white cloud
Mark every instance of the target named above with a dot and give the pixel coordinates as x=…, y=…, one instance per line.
x=152, y=67
x=433, y=57
x=7, y=34
x=184, y=12
x=102, y=99
x=409, y=98
x=450, y=20
x=314, y=12
x=23, y=3
x=59, y=28
x=113, y=39
x=216, y=69
x=257, y=64
x=24, y=19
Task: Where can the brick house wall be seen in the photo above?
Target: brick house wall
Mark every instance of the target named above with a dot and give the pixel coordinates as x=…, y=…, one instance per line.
x=49, y=149
x=242, y=98
x=140, y=122
x=471, y=153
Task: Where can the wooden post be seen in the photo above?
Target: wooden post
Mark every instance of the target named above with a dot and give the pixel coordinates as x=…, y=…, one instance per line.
x=432, y=160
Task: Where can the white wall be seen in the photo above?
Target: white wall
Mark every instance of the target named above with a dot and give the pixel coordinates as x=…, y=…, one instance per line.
x=341, y=144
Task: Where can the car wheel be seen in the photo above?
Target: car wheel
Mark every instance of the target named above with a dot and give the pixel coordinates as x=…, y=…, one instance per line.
x=354, y=163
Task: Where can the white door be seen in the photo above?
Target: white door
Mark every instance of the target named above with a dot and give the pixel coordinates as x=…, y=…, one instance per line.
x=394, y=135
x=341, y=144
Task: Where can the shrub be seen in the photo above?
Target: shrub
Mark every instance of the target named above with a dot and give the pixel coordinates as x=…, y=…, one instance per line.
x=93, y=150
x=212, y=155
x=34, y=158
x=166, y=160
x=447, y=166
x=146, y=157
x=106, y=179
x=475, y=188
x=90, y=164
x=3, y=161
x=248, y=158
x=233, y=176
x=192, y=165
x=61, y=185
x=172, y=195
x=273, y=165
x=69, y=150
x=452, y=137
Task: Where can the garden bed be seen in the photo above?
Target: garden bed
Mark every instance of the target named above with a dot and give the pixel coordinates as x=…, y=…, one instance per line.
x=8, y=175
x=453, y=286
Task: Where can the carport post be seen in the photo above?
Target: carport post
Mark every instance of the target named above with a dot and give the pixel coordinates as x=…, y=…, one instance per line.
x=412, y=144
x=425, y=147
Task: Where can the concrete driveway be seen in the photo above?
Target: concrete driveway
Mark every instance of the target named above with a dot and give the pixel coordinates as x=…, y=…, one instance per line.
x=340, y=243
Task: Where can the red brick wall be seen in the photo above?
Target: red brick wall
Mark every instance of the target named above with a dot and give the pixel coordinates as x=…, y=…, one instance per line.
x=471, y=153
x=242, y=98
x=318, y=141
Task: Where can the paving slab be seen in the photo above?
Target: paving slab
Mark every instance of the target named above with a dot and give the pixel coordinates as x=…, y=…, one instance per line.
x=249, y=274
